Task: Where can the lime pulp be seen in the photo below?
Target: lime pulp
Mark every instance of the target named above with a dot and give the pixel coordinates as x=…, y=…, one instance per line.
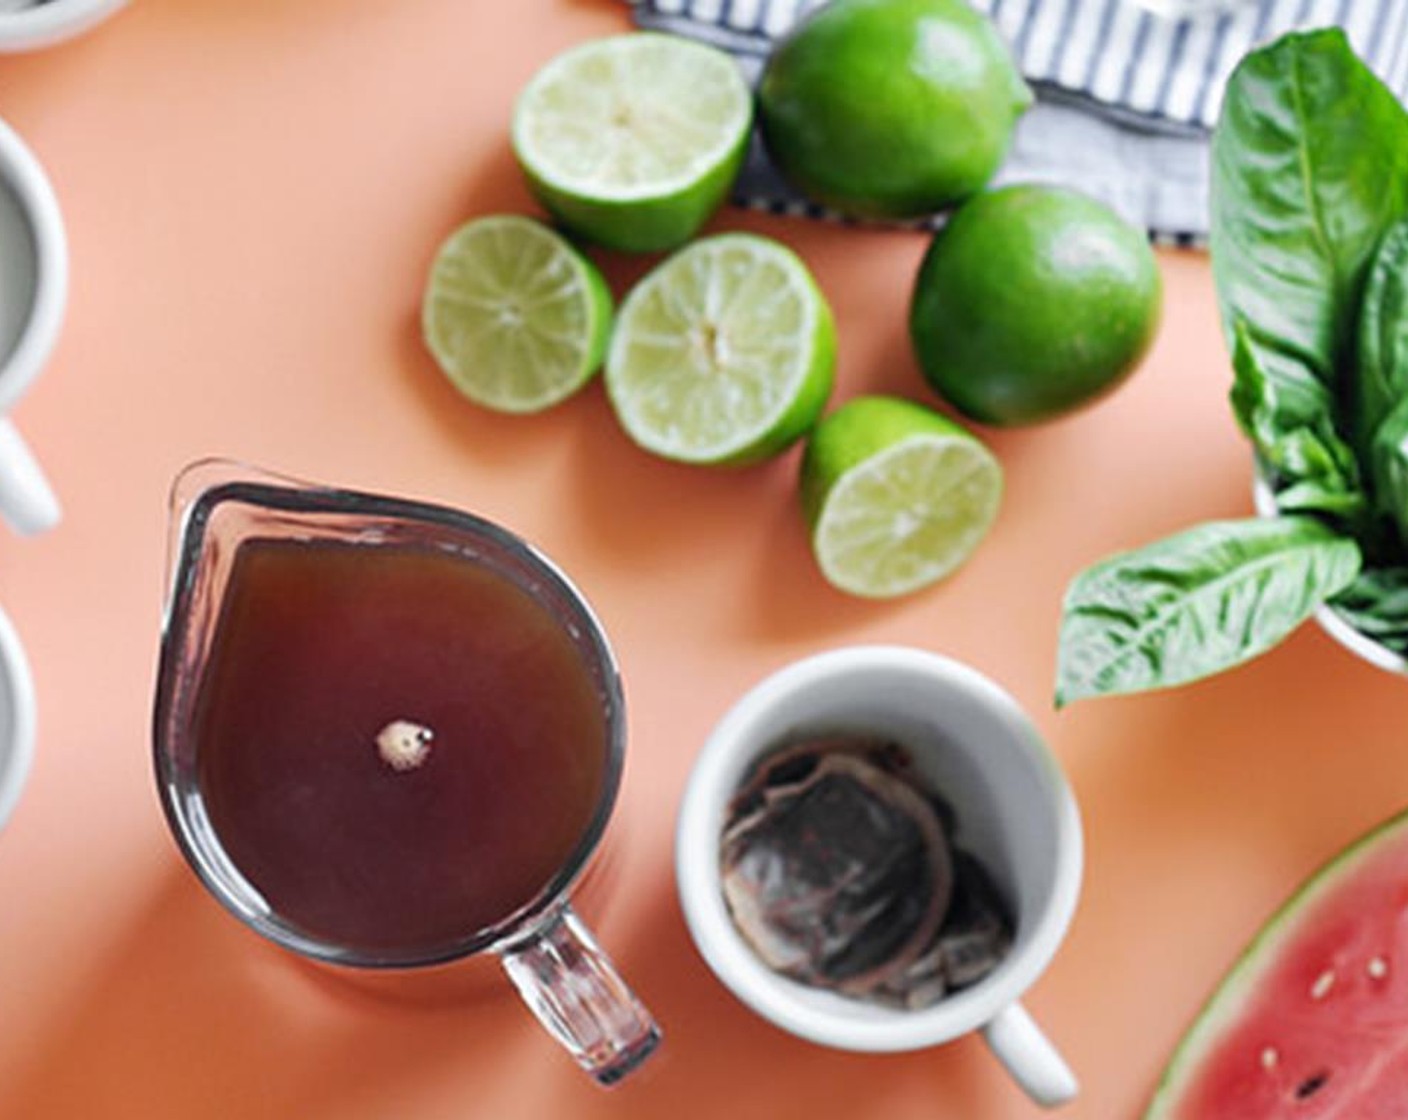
x=516, y=317
x=724, y=354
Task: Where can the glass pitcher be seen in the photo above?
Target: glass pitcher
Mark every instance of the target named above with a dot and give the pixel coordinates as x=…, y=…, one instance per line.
x=389, y=734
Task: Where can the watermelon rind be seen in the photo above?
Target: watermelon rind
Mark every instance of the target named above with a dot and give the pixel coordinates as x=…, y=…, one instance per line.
x=1226, y=1001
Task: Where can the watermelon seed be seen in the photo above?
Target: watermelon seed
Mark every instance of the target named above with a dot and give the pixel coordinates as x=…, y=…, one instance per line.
x=1311, y=1085
x=1323, y=983
x=1269, y=1058
x=1378, y=968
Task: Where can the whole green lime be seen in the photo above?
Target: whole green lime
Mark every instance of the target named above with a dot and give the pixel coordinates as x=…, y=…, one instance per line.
x=890, y=108
x=1033, y=301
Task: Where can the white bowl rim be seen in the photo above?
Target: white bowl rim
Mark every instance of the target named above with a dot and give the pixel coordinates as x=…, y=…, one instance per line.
x=21, y=171
x=14, y=668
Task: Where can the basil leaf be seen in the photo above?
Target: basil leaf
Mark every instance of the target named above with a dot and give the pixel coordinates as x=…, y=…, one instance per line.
x=1381, y=389
x=1290, y=422
x=1389, y=467
x=1376, y=604
x=1196, y=603
x=1382, y=379
x=1309, y=169
x=1328, y=501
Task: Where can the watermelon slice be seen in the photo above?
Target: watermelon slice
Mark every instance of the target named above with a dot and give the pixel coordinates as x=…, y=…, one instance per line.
x=1312, y=1021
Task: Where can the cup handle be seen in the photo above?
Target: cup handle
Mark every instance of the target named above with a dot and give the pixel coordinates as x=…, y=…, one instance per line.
x=1030, y=1058
x=574, y=990
x=26, y=500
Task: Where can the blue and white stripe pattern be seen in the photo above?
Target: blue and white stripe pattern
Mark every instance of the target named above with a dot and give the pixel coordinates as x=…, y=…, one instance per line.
x=1126, y=97
x=1174, y=70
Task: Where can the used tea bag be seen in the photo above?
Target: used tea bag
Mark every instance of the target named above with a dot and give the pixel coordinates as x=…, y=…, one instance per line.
x=836, y=870
x=839, y=871
x=971, y=941
x=976, y=933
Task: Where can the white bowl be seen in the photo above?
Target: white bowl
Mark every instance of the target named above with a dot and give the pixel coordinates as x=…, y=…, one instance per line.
x=16, y=719
x=51, y=21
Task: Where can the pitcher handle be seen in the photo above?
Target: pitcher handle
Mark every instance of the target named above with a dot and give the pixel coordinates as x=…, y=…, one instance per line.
x=26, y=500
x=574, y=990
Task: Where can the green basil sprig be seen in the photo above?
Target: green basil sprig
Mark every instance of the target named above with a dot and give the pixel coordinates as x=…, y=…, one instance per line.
x=1309, y=245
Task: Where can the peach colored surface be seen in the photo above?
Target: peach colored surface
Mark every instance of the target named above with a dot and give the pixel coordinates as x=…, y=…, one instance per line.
x=254, y=189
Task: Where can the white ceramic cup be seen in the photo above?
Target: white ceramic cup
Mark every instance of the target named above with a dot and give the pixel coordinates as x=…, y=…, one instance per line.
x=33, y=294
x=1014, y=810
x=26, y=25
x=16, y=719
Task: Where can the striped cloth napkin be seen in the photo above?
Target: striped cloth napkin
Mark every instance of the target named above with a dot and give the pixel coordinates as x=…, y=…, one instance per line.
x=1125, y=98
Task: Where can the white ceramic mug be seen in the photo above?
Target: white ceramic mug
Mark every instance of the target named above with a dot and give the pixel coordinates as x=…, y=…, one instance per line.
x=16, y=719
x=33, y=294
x=30, y=24
x=1014, y=812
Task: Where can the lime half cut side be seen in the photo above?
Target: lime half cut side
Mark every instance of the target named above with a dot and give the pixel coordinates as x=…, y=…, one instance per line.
x=516, y=317
x=724, y=354
x=898, y=496
x=634, y=140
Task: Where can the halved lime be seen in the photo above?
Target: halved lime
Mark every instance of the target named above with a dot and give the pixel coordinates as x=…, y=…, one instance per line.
x=634, y=140
x=898, y=496
x=516, y=317
x=724, y=354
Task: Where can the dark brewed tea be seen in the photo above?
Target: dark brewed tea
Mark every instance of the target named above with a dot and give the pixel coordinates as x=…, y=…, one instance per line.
x=397, y=747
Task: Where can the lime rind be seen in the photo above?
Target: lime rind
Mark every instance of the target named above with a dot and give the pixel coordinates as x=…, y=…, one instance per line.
x=907, y=516
x=724, y=354
x=1032, y=302
x=890, y=111
x=516, y=318
x=633, y=141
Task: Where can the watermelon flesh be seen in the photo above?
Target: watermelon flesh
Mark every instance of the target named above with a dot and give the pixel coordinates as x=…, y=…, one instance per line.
x=1312, y=1022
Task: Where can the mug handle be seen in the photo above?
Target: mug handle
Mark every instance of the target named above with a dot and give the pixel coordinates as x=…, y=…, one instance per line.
x=571, y=985
x=27, y=501
x=1031, y=1059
